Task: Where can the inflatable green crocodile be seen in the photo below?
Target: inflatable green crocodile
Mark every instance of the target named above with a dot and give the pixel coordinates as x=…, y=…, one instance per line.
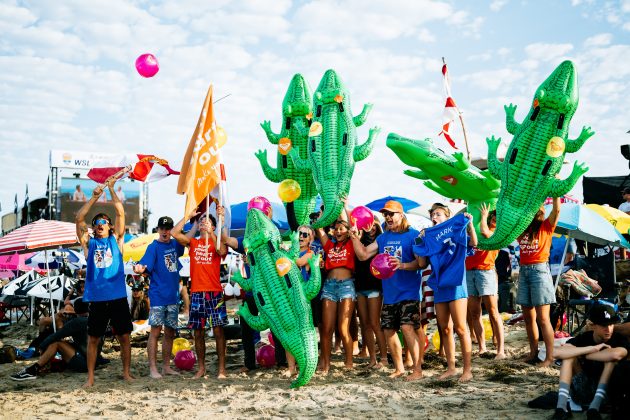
x=451, y=176
x=535, y=156
x=333, y=149
x=281, y=295
x=296, y=111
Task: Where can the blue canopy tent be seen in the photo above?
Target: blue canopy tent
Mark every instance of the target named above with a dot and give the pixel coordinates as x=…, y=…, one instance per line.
x=579, y=222
x=378, y=204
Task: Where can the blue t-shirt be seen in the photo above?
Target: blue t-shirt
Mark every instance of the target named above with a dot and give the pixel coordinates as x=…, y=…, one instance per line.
x=404, y=284
x=446, y=245
x=105, y=273
x=305, y=273
x=162, y=261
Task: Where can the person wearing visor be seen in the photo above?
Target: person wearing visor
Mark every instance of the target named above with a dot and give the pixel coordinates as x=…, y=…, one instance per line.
x=401, y=292
x=105, y=287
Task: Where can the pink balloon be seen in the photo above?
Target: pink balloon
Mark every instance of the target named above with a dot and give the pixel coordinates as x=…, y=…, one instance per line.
x=362, y=218
x=380, y=267
x=260, y=203
x=270, y=337
x=266, y=356
x=147, y=65
x=185, y=360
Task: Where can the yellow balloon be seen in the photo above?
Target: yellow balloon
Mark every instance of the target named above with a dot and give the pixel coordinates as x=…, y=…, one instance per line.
x=435, y=339
x=221, y=136
x=180, y=344
x=289, y=190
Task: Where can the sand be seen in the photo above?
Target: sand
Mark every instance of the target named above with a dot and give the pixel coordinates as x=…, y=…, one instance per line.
x=498, y=390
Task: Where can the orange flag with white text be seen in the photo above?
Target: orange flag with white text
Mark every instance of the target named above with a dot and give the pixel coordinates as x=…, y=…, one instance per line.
x=201, y=167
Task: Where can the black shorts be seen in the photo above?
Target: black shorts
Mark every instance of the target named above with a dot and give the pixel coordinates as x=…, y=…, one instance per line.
x=78, y=363
x=406, y=312
x=114, y=312
x=316, y=309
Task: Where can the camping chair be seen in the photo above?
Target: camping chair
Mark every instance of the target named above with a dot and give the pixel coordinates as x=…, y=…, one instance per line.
x=600, y=268
x=17, y=307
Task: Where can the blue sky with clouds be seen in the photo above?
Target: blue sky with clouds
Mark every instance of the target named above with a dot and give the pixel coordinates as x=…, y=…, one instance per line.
x=67, y=78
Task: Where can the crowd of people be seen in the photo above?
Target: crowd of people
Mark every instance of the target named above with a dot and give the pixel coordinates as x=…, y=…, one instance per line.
x=463, y=279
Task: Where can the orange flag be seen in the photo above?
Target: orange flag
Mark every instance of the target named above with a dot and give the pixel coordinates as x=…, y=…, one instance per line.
x=201, y=167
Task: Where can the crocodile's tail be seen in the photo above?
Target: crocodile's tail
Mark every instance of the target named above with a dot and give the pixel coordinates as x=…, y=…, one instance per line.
x=306, y=361
x=332, y=209
x=511, y=223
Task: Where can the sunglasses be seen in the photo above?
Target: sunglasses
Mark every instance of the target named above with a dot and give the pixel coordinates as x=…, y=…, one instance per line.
x=303, y=234
x=100, y=222
x=388, y=214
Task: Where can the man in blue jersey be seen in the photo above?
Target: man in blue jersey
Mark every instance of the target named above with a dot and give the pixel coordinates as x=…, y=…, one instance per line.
x=105, y=288
x=160, y=261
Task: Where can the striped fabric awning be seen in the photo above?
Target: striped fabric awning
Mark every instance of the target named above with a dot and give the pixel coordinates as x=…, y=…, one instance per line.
x=42, y=234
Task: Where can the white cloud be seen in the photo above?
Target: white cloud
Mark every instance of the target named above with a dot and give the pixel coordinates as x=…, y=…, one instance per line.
x=497, y=5
x=598, y=40
x=547, y=52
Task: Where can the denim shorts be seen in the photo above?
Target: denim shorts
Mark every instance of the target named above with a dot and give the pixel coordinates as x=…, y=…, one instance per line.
x=535, y=286
x=482, y=282
x=369, y=293
x=164, y=316
x=338, y=290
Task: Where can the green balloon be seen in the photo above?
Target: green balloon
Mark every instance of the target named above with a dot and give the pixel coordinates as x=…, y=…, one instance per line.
x=280, y=293
x=535, y=156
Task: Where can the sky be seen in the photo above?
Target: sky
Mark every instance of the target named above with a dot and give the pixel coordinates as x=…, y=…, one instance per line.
x=68, y=81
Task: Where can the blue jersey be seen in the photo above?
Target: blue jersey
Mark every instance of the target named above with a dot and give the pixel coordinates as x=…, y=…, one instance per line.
x=305, y=273
x=162, y=261
x=404, y=284
x=105, y=273
x=446, y=245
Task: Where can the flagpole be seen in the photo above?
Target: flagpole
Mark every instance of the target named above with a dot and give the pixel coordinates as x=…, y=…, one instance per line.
x=461, y=120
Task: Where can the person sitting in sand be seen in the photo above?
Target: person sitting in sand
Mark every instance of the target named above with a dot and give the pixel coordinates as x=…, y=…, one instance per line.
x=206, y=300
x=73, y=353
x=160, y=262
x=140, y=305
x=401, y=292
x=588, y=361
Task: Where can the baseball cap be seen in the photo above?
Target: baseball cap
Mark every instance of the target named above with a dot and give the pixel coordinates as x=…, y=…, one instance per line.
x=626, y=190
x=603, y=315
x=393, y=206
x=165, y=222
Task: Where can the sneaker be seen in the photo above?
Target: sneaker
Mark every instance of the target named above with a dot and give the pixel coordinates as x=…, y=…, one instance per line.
x=25, y=374
x=592, y=414
x=560, y=414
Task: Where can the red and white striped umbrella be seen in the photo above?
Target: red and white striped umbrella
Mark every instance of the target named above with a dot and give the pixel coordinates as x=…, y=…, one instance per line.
x=42, y=234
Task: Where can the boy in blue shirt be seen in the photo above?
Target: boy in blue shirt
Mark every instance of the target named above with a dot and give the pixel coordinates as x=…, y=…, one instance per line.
x=160, y=261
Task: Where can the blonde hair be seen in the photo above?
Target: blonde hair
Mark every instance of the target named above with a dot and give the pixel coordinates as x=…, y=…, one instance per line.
x=309, y=228
x=404, y=224
x=436, y=206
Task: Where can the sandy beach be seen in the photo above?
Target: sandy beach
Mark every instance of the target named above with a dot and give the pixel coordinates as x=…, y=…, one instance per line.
x=498, y=390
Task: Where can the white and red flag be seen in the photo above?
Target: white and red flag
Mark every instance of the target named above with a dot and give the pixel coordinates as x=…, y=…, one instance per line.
x=450, y=109
x=145, y=168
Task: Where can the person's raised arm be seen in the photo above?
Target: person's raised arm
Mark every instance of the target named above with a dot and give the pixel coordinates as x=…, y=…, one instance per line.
x=321, y=234
x=472, y=234
x=228, y=240
x=119, y=224
x=303, y=260
x=555, y=212
x=79, y=220
x=361, y=251
x=484, y=211
x=178, y=235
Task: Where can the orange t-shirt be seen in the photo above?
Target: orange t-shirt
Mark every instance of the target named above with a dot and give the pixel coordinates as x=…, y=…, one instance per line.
x=339, y=255
x=536, y=250
x=205, y=269
x=482, y=260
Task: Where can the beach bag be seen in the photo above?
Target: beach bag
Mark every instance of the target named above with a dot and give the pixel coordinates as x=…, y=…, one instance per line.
x=580, y=283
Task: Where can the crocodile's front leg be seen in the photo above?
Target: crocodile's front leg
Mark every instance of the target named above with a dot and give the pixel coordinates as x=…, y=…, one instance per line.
x=494, y=166
x=256, y=322
x=359, y=120
x=312, y=286
x=301, y=165
x=416, y=173
x=461, y=163
x=272, y=174
x=295, y=245
x=246, y=284
x=575, y=145
x=435, y=187
x=363, y=151
x=510, y=123
x=560, y=187
x=271, y=136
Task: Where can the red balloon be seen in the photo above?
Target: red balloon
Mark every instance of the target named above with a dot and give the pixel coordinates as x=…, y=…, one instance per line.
x=260, y=203
x=185, y=360
x=271, y=341
x=147, y=65
x=362, y=218
x=380, y=267
x=266, y=356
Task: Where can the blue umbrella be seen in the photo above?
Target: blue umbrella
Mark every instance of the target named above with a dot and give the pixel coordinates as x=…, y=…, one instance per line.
x=239, y=215
x=56, y=258
x=378, y=204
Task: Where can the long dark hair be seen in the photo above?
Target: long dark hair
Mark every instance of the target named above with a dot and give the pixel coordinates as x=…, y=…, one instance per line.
x=532, y=230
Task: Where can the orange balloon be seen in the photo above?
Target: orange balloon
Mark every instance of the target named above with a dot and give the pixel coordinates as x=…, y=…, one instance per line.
x=283, y=266
x=316, y=129
x=284, y=145
x=289, y=190
x=221, y=136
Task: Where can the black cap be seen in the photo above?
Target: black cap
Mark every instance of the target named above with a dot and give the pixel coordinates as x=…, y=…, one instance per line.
x=625, y=190
x=165, y=222
x=603, y=315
